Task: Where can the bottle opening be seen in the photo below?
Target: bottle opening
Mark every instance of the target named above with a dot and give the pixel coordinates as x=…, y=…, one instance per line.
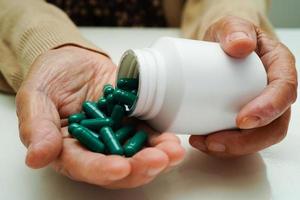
x=129, y=68
x=142, y=64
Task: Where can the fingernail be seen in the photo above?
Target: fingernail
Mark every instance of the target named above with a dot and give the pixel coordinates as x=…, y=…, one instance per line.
x=199, y=145
x=217, y=147
x=236, y=36
x=249, y=122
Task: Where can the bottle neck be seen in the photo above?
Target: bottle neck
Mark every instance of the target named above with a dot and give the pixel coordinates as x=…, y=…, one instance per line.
x=147, y=65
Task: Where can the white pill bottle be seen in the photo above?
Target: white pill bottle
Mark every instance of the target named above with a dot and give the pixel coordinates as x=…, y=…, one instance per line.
x=191, y=87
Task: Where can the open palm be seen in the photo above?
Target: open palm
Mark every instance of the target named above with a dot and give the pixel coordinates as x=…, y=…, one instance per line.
x=57, y=84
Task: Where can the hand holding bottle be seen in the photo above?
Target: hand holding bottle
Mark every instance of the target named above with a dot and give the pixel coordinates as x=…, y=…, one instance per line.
x=264, y=121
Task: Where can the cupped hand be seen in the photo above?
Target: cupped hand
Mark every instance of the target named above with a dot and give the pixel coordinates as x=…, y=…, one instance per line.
x=57, y=84
x=263, y=121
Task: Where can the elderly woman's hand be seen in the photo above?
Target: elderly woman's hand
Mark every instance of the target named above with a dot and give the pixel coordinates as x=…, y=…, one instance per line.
x=57, y=84
x=263, y=121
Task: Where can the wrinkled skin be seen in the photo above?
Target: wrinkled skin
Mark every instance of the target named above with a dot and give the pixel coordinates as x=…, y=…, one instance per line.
x=60, y=80
x=263, y=121
x=57, y=84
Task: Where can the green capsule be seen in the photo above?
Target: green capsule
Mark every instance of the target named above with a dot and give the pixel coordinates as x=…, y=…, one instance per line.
x=108, y=89
x=110, y=103
x=75, y=125
x=117, y=115
x=102, y=104
x=111, y=142
x=87, y=138
x=134, y=92
x=128, y=83
x=124, y=133
x=96, y=124
x=91, y=110
x=76, y=118
x=72, y=126
x=135, y=144
x=124, y=97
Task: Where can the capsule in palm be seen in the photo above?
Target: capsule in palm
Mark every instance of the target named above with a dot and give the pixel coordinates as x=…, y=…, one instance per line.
x=136, y=143
x=117, y=115
x=107, y=89
x=124, y=133
x=96, y=124
x=134, y=92
x=128, y=83
x=76, y=118
x=91, y=110
x=75, y=125
x=111, y=142
x=124, y=97
x=87, y=138
x=110, y=103
x=102, y=104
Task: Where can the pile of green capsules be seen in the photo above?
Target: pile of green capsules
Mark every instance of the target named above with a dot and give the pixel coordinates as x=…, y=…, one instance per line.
x=100, y=127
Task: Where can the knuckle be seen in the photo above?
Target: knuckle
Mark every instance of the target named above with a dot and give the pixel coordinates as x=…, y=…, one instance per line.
x=268, y=111
x=292, y=86
x=287, y=51
x=210, y=33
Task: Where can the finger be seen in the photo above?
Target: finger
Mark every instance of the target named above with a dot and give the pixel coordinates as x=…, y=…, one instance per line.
x=198, y=142
x=81, y=164
x=169, y=143
x=242, y=142
x=145, y=165
x=236, y=36
x=174, y=151
x=281, y=91
x=39, y=127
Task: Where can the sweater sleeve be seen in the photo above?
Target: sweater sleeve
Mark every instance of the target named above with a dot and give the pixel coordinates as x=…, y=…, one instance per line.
x=28, y=29
x=198, y=15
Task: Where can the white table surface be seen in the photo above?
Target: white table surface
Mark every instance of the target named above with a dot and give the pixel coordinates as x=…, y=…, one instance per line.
x=271, y=174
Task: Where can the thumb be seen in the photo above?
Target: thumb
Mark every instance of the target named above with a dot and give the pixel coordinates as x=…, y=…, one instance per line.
x=39, y=126
x=236, y=36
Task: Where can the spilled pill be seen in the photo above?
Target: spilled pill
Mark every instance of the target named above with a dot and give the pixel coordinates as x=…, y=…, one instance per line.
x=124, y=97
x=94, y=129
x=76, y=118
x=124, y=133
x=128, y=83
x=96, y=124
x=87, y=138
x=91, y=110
x=107, y=89
x=111, y=142
x=102, y=104
x=135, y=144
x=117, y=115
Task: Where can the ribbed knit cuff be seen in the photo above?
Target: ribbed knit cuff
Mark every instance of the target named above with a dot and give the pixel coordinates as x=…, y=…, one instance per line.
x=40, y=38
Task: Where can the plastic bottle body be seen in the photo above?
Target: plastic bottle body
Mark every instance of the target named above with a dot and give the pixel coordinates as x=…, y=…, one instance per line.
x=191, y=87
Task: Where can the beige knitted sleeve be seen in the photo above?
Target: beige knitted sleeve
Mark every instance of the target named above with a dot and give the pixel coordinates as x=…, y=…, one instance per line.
x=27, y=29
x=198, y=15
